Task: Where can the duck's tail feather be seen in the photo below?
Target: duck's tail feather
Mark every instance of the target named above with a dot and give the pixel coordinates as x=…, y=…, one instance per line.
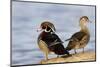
x=66, y=52
x=68, y=48
x=71, y=39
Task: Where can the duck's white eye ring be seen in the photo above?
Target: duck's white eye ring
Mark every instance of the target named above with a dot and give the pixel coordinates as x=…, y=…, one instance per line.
x=46, y=30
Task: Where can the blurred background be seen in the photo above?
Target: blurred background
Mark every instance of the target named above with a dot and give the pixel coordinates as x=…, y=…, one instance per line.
x=27, y=17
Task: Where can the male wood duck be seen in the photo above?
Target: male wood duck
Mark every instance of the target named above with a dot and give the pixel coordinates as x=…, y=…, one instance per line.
x=49, y=42
x=80, y=39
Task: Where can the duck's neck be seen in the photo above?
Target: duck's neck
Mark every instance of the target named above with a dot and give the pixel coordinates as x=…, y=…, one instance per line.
x=46, y=32
x=84, y=29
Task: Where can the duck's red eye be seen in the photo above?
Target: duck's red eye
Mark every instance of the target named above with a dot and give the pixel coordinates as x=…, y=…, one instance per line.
x=43, y=27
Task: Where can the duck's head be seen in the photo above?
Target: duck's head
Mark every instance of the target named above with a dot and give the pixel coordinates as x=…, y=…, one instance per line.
x=84, y=20
x=47, y=26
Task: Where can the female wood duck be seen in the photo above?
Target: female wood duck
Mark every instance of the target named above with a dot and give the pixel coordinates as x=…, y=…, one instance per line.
x=81, y=38
x=49, y=42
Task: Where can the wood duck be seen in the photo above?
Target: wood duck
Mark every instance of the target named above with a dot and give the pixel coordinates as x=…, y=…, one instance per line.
x=49, y=42
x=81, y=38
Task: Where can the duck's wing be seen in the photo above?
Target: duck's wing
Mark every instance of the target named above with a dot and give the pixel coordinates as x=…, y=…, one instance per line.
x=52, y=39
x=78, y=36
x=56, y=37
x=75, y=40
x=85, y=39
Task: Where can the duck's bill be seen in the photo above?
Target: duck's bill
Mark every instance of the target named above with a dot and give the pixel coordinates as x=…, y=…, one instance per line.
x=39, y=29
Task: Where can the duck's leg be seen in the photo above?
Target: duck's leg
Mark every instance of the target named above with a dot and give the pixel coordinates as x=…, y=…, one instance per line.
x=75, y=51
x=83, y=49
x=46, y=55
x=57, y=56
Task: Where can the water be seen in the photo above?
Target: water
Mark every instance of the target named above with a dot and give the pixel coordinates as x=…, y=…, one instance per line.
x=26, y=18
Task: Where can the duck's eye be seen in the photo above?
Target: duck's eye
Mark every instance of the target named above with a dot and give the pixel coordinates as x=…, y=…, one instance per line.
x=48, y=28
x=43, y=27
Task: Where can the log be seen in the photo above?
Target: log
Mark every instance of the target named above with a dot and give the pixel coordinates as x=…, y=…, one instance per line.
x=86, y=56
